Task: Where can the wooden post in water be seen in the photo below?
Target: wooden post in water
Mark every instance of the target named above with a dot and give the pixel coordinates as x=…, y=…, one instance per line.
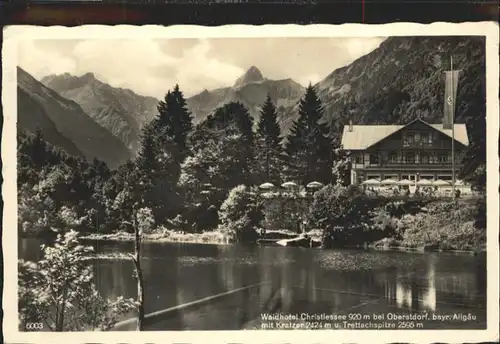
x=140, y=283
x=136, y=258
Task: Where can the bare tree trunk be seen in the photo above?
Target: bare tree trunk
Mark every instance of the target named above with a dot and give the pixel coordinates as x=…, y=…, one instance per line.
x=140, y=284
x=60, y=315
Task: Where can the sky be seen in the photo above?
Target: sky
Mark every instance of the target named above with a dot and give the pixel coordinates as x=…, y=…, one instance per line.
x=150, y=67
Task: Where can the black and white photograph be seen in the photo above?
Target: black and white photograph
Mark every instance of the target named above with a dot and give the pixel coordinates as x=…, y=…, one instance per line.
x=272, y=182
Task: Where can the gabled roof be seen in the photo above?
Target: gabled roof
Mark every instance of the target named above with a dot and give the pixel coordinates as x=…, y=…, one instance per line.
x=365, y=136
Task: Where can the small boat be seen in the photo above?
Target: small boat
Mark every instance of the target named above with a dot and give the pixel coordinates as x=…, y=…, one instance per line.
x=268, y=242
x=300, y=241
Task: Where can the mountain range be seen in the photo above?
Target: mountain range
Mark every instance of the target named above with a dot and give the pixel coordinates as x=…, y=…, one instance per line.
x=64, y=123
x=121, y=111
x=397, y=82
x=401, y=80
x=251, y=89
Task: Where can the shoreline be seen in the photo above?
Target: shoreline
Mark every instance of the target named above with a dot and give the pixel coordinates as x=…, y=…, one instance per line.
x=214, y=238
x=424, y=250
x=217, y=238
x=383, y=245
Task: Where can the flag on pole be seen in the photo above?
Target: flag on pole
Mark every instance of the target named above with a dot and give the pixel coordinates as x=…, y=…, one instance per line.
x=450, y=94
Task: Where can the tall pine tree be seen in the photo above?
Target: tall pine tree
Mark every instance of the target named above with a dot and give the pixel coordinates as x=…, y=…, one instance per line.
x=234, y=125
x=39, y=150
x=309, y=148
x=147, y=160
x=268, y=147
x=164, y=149
x=175, y=123
x=222, y=158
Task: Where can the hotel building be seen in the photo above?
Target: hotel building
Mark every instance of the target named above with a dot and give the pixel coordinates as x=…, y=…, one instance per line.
x=414, y=151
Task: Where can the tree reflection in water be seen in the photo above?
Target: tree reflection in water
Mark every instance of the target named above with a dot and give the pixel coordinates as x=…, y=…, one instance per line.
x=300, y=280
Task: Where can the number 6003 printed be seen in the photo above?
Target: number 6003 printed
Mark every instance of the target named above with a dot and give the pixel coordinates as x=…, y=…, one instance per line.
x=34, y=326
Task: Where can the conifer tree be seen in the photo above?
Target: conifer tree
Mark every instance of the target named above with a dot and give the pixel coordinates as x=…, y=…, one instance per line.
x=234, y=125
x=268, y=148
x=157, y=172
x=309, y=148
x=164, y=149
x=38, y=150
x=341, y=171
x=175, y=123
x=147, y=159
x=474, y=157
x=222, y=158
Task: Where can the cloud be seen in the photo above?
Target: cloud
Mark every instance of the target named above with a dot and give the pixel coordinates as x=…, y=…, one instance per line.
x=198, y=71
x=40, y=62
x=151, y=67
x=125, y=63
x=360, y=47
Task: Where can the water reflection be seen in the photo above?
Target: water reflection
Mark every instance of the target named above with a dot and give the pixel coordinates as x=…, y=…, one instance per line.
x=296, y=280
x=429, y=296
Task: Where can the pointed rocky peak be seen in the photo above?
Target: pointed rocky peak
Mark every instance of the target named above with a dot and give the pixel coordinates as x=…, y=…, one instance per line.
x=64, y=76
x=88, y=77
x=252, y=75
x=66, y=81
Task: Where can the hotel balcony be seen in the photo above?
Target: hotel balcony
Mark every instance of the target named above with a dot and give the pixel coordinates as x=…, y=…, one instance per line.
x=405, y=164
x=425, y=145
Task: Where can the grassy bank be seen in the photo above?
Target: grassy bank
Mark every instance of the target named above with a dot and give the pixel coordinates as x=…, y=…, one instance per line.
x=435, y=226
x=391, y=244
x=163, y=235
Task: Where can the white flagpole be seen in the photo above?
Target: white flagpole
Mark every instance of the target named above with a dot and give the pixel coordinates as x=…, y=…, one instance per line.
x=452, y=131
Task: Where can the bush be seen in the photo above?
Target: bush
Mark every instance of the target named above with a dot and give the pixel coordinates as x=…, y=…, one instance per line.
x=480, y=216
x=145, y=220
x=59, y=291
x=446, y=225
x=284, y=211
x=241, y=214
x=345, y=214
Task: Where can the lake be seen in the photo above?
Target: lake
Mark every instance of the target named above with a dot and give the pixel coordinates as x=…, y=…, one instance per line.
x=296, y=284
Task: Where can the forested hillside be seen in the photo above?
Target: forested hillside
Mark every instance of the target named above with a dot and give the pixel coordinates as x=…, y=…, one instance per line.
x=403, y=79
x=121, y=111
x=183, y=172
x=32, y=117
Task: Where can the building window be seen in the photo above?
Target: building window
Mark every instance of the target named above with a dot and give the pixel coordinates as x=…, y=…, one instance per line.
x=374, y=159
x=443, y=158
x=359, y=158
x=433, y=157
x=424, y=158
x=410, y=138
x=426, y=138
x=393, y=157
x=410, y=158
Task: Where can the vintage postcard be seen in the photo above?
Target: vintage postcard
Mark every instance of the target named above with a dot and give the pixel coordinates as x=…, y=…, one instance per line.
x=245, y=184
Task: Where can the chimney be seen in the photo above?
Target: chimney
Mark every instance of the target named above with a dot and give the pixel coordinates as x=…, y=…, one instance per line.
x=350, y=125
